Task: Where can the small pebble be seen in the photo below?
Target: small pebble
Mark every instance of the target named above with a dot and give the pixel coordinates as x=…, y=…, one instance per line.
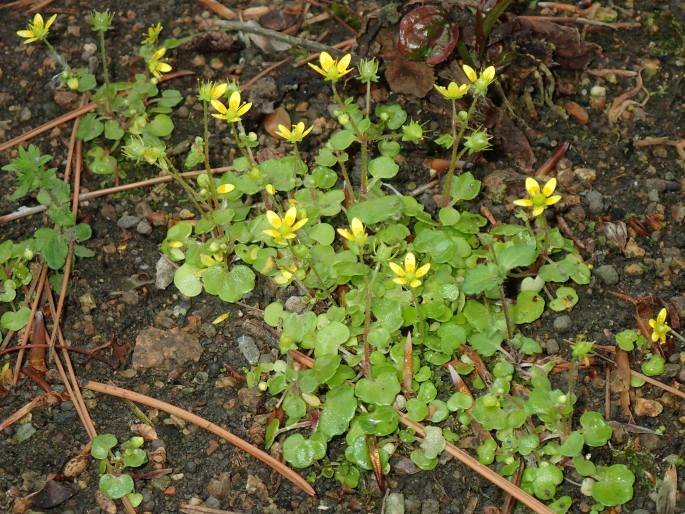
x=296, y=304
x=127, y=221
x=249, y=349
x=607, y=274
x=144, y=227
x=594, y=201
x=562, y=323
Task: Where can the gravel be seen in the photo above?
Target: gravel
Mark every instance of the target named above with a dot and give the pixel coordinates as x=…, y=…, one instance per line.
x=607, y=274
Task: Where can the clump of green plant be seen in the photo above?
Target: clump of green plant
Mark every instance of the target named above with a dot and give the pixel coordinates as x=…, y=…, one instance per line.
x=34, y=177
x=392, y=293
x=124, y=109
x=113, y=460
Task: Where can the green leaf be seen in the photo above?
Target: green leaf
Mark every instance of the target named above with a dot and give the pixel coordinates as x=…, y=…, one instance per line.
x=459, y=401
x=486, y=452
x=481, y=278
x=342, y=139
x=419, y=458
x=301, y=453
x=330, y=337
x=465, y=187
x=322, y=233
x=52, y=246
x=614, y=485
x=584, y=467
x=416, y=409
x=326, y=366
x=113, y=130
x=89, y=127
x=529, y=307
x=371, y=212
x=433, y=442
x=116, y=487
x=565, y=300
x=187, y=280
x=379, y=391
x=383, y=167
x=295, y=407
x=381, y=421
x=135, y=498
x=573, y=445
x=134, y=457
x=15, y=320
x=160, y=126
x=270, y=433
x=338, y=411
x=626, y=339
x=517, y=253
x=101, y=445
x=596, y=431
x=273, y=313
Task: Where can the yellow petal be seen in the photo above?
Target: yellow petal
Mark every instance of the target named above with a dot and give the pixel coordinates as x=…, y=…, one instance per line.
x=274, y=219
x=220, y=318
x=50, y=21
x=655, y=337
x=270, y=189
x=219, y=106
x=357, y=226
x=289, y=236
x=290, y=216
x=283, y=132
x=316, y=69
x=470, y=73
x=246, y=107
x=344, y=63
x=38, y=20
x=164, y=67
x=422, y=270
x=550, y=186
x=234, y=100
x=307, y=131
x=225, y=188
x=396, y=269
x=300, y=224
x=272, y=233
x=415, y=283
x=488, y=73
x=652, y=323
x=524, y=202
x=346, y=234
x=537, y=211
x=158, y=54
x=219, y=90
x=553, y=199
x=661, y=318
x=24, y=33
x=326, y=61
x=532, y=186
x=399, y=280
x=409, y=262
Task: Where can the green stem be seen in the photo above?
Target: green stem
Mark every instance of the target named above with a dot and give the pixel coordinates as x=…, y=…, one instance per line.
x=456, y=141
x=367, y=320
x=251, y=158
x=212, y=186
x=362, y=141
x=418, y=328
x=349, y=193
x=58, y=57
x=168, y=166
x=105, y=70
x=314, y=270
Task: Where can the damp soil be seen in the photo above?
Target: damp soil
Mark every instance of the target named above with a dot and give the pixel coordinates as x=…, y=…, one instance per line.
x=120, y=277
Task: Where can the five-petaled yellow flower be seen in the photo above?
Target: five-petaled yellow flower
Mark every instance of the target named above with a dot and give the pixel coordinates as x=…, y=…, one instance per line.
x=209, y=91
x=452, y=91
x=332, y=69
x=295, y=135
x=487, y=75
x=156, y=65
x=357, y=234
x=408, y=275
x=37, y=30
x=660, y=327
x=235, y=110
x=284, y=228
x=538, y=199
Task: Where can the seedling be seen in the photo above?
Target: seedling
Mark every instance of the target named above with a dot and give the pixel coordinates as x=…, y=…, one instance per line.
x=113, y=460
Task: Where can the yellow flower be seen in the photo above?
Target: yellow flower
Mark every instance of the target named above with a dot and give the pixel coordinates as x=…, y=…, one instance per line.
x=36, y=30
x=153, y=33
x=211, y=260
x=295, y=135
x=480, y=82
x=332, y=69
x=269, y=188
x=539, y=200
x=284, y=228
x=409, y=275
x=235, y=110
x=156, y=65
x=225, y=189
x=209, y=91
x=660, y=327
x=356, y=234
x=452, y=91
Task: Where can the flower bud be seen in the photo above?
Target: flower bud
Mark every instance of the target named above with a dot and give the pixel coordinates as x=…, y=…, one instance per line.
x=368, y=69
x=412, y=132
x=477, y=141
